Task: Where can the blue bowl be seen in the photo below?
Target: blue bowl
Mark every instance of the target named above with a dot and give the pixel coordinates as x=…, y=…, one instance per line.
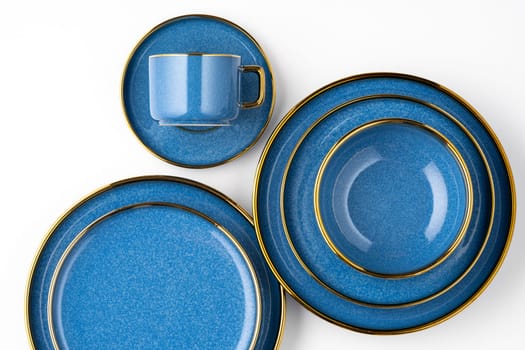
x=393, y=198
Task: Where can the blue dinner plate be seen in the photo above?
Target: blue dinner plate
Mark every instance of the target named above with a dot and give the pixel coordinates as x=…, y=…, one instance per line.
x=154, y=275
x=196, y=148
x=305, y=235
x=305, y=287
x=92, y=240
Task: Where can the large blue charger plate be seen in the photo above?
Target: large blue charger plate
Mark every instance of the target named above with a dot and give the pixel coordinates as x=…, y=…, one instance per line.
x=189, y=147
x=132, y=207
x=307, y=289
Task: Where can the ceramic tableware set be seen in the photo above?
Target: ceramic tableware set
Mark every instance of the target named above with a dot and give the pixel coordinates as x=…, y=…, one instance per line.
x=383, y=203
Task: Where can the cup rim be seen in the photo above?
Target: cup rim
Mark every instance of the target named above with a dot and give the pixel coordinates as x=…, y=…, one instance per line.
x=201, y=54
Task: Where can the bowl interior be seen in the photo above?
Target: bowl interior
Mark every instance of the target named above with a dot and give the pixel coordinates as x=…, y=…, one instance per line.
x=393, y=198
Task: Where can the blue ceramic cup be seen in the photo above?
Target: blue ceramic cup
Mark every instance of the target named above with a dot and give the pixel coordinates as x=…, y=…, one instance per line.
x=199, y=89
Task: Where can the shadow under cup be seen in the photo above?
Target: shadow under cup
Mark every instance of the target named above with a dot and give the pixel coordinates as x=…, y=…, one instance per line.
x=393, y=198
x=198, y=89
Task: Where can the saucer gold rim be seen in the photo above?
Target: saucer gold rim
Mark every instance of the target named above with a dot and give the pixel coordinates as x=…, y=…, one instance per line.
x=464, y=225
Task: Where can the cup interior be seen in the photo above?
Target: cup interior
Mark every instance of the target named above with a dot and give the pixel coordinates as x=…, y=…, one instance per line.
x=393, y=198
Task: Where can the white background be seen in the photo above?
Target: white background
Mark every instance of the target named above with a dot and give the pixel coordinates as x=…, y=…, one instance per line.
x=63, y=133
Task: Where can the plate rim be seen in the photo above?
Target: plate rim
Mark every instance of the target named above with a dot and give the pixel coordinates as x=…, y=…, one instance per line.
x=476, y=115
x=126, y=181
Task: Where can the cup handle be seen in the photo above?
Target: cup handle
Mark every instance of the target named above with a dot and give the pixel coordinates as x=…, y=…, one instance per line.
x=262, y=86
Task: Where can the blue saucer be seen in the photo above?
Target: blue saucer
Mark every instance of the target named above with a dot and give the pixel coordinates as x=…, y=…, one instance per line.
x=306, y=238
x=196, y=147
x=306, y=287
x=138, y=191
x=393, y=198
x=148, y=265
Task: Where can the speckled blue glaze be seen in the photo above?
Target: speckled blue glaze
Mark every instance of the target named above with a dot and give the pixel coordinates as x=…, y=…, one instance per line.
x=302, y=225
x=393, y=198
x=181, y=146
x=151, y=189
x=194, y=89
x=155, y=277
x=319, y=299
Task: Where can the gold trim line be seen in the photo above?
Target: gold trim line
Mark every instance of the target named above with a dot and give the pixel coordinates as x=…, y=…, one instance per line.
x=194, y=54
x=143, y=205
